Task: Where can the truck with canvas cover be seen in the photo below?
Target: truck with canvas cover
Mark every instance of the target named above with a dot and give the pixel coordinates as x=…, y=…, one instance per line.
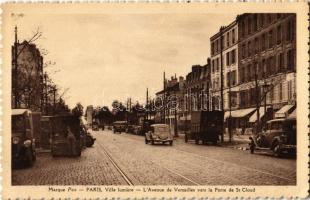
x=66, y=135
x=205, y=126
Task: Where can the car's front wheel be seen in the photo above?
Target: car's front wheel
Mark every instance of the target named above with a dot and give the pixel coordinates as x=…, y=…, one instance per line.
x=29, y=158
x=276, y=149
x=252, y=147
x=146, y=141
x=170, y=143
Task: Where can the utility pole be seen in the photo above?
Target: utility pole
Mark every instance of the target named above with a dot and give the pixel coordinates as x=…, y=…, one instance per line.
x=164, y=98
x=46, y=95
x=15, y=72
x=257, y=98
x=229, y=92
x=175, y=122
x=222, y=77
x=54, y=99
x=147, y=103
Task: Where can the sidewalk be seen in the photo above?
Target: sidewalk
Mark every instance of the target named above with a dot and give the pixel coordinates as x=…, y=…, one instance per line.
x=240, y=142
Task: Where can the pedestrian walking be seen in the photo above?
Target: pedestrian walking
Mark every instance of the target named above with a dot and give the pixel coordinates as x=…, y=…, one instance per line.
x=71, y=141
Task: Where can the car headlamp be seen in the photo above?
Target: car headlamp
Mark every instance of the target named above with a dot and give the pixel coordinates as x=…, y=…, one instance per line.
x=27, y=143
x=15, y=140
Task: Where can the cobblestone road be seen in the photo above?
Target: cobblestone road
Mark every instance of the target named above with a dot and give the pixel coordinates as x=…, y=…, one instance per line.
x=181, y=164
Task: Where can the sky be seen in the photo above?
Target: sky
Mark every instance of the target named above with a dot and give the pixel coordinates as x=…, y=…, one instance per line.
x=109, y=56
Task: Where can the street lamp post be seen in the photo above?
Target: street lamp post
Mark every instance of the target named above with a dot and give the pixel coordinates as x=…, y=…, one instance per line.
x=265, y=88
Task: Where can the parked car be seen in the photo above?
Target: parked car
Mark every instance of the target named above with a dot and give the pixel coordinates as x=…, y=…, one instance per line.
x=159, y=133
x=278, y=137
x=119, y=126
x=205, y=126
x=130, y=128
x=23, y=142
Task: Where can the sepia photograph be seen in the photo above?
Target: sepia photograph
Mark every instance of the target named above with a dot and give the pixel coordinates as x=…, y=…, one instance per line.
x=154, y=98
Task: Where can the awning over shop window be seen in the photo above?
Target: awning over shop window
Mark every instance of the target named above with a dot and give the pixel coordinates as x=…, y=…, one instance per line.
x=292, y=115
x=238, y=113
x=284, y=111
x=253, y=117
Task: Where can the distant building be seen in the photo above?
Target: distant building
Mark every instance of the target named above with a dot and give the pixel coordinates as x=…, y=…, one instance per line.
x=167, y=100
x=89, y=114
x=195, y=93
x=27, y=76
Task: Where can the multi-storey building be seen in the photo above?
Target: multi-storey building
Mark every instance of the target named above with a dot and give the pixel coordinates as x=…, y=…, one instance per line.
x=167, y=101
x=267, y=64
x=224, y=68
x=27, y=76
x=89, y=114
x=259, y=74
x=195, y=94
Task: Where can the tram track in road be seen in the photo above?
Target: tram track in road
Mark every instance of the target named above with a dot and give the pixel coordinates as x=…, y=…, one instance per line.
x=160, y=166
x=121, y=172
x=266, y=173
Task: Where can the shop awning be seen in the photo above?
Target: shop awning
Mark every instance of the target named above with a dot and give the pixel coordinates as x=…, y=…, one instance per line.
x=292, y=115
x=238, y=113
x=253, y=117
x=283, y=112
x=20, y=111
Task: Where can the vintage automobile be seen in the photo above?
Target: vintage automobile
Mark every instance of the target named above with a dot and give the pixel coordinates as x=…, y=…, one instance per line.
x=23, y=142
x=130, y=128
x=279, y=137
x=61, y=144
x=205, y=126
x=159, y=133
x=119, y=126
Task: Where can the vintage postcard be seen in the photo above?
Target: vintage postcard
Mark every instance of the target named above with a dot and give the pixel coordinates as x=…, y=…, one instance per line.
x=156, y=100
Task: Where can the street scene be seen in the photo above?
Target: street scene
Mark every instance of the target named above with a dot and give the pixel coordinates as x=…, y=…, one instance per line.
x=135, y=109
x=124, y=159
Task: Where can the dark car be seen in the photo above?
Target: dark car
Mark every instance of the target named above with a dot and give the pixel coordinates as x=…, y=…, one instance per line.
x=279, y=137
x=119, y=126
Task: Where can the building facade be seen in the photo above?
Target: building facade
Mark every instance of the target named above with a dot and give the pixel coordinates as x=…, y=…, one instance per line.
x=259, y=76
x=195, y=94
x=167, y=102
x=27, y=76
x=224, y=68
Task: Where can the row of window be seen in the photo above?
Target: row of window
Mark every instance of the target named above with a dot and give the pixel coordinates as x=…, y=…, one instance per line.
x=254, y=22
x=231, y=57
x=275, y=94
x=266, y=67
x=229, y=38
x=268, y=39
